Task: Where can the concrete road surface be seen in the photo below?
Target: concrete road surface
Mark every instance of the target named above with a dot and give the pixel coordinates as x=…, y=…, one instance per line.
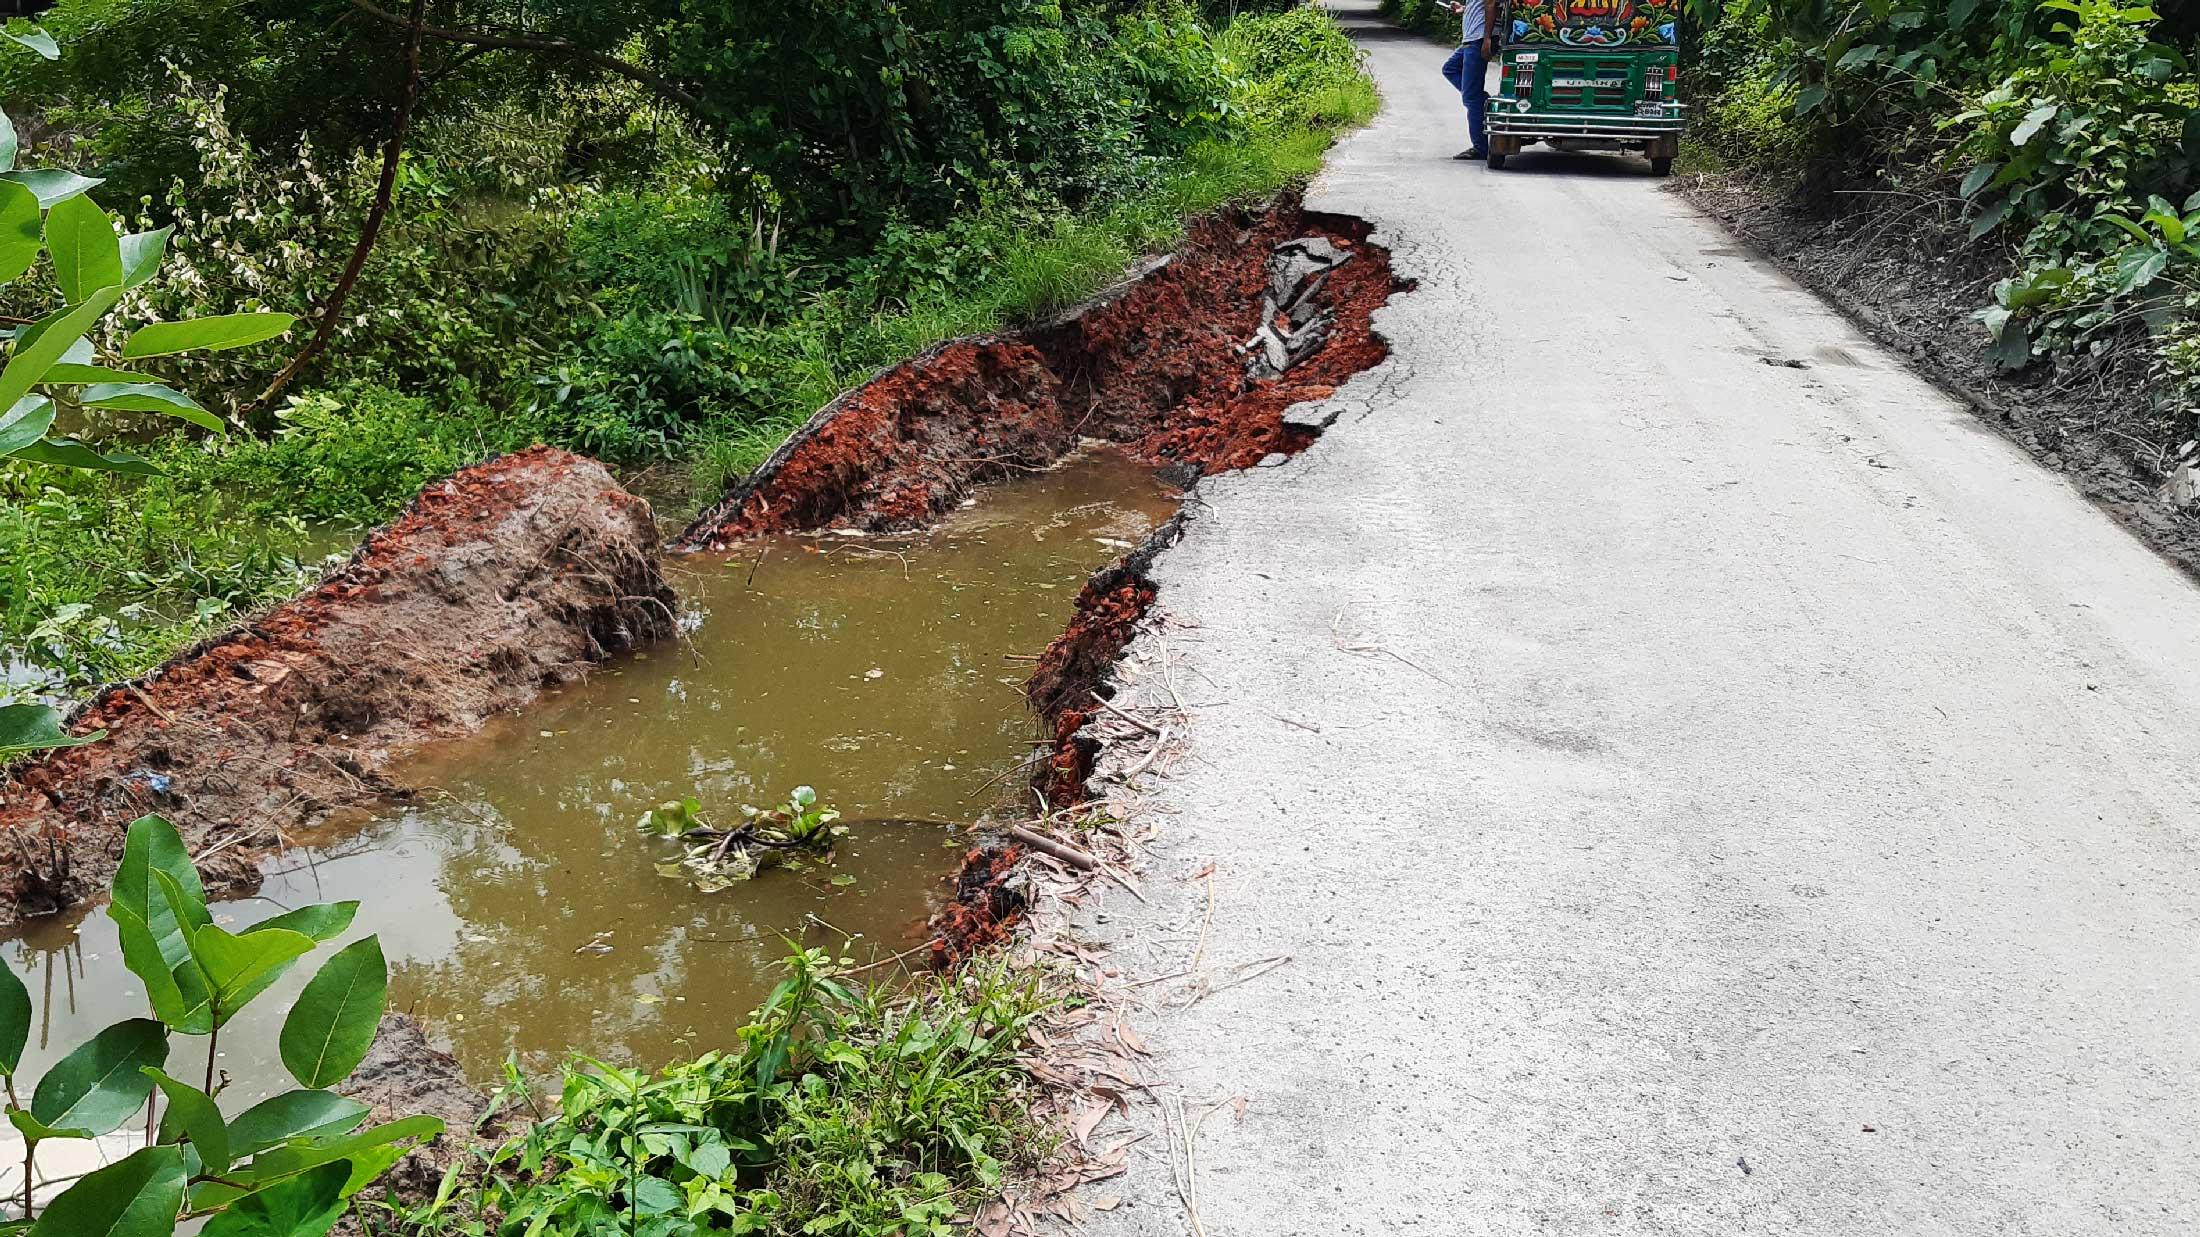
x=1697, y=795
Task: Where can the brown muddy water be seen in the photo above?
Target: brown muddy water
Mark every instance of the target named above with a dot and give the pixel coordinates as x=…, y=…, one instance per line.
x=521, y=910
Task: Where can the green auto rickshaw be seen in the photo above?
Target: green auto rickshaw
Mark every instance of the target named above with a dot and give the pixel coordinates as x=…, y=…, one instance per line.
x=1589, y=75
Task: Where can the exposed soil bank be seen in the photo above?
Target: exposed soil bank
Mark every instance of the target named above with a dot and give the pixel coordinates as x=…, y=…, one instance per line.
x=1158, y=366
x=1075, y=668
x=512, y=576
x=1153, y=365
x=1911, y=281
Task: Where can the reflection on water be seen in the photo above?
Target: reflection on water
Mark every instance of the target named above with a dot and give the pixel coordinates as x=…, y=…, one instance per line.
x=520, y=909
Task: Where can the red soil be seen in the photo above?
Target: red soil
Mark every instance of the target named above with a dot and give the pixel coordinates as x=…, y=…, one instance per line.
x=1153, y=366
x=511, y=576
x=1109, y=611
x=985, y=907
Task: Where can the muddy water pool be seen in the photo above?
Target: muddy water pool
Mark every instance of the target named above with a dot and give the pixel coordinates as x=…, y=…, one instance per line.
x=521, y=910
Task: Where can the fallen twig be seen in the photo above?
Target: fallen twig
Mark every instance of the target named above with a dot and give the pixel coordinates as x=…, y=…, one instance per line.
x=1081, y=860
x=1160, y=744
x=1111, y=707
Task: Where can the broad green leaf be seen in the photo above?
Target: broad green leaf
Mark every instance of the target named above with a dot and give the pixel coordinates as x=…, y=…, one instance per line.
x=327, y=1149
x=332, y=1025
x=1990, y=218
x=102, y=1083
x=370, y=1164
x=25, y=423
x=87, y=256
x=1859, y=56
x=52, y=185
x=142, y=253
x=1808, y=98
x=2139, y=268
x=189, y=1012
x=153, y=845
x=242, y=967
x=46, y=340
x=36, y=728
x=205, y=334
x=2127, y=225
x=10, y=143
x=15, y=1019
x=138, y=1196
x=303, y=1206
x=37, y=40
x=236, y=968
x=34, y=1130
x=290, y=1159
x=193, y=1111
x=187, y=911
x=150, y=397
x=323, y=921
x=2034, y=121
x=293, y=1114
x=1978, y=178
x=2012, y=347
x=69, y=374
x=22, y=231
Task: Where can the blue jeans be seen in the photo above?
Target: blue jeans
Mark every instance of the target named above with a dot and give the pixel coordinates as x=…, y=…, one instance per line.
x=1467, y=71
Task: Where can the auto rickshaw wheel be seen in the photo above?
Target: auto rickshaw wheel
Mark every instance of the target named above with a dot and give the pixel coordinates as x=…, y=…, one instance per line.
x=1497, y=160
x=1661, y=165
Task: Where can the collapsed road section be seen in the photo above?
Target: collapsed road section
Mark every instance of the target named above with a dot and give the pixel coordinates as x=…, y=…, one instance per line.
x=527, y=571
x=1195, y=362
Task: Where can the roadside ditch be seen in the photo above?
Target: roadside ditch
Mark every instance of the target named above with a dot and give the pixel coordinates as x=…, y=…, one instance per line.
x=512, y=609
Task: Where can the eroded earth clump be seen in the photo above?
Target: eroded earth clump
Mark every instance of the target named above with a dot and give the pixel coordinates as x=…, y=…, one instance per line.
x=507, y=578
x=1159, y=366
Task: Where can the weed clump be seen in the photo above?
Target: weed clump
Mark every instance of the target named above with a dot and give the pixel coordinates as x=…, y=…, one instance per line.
x=844, y=1110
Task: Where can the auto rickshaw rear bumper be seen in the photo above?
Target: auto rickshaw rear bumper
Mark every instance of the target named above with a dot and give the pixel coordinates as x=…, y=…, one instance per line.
x=1548, y=124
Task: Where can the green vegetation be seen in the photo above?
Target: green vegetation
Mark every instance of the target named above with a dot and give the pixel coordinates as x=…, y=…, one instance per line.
x=715, y=859
x=584, y=255
x=1429, y=17
x=842, y=1112
x=287, y=1166
x=2064, y=135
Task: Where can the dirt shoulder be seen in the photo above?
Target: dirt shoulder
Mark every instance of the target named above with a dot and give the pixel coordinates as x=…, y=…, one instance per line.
x=1911, y=280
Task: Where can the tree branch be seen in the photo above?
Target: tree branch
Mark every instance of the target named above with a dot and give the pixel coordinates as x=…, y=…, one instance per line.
x=384, y=190
x=547, y=43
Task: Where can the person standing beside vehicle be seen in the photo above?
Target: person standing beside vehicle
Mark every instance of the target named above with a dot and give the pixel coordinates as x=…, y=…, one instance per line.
x=1468, y=69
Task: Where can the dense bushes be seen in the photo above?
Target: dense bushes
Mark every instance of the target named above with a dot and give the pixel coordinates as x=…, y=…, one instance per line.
x=2065, y=133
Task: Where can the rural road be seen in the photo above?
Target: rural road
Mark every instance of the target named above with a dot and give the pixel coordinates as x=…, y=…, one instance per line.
x=1696, y=795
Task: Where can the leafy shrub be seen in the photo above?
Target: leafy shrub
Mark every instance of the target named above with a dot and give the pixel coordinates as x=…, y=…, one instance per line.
x=1299, y=71
x=681, y=249
x=842, y=1111
x=2074, y=136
